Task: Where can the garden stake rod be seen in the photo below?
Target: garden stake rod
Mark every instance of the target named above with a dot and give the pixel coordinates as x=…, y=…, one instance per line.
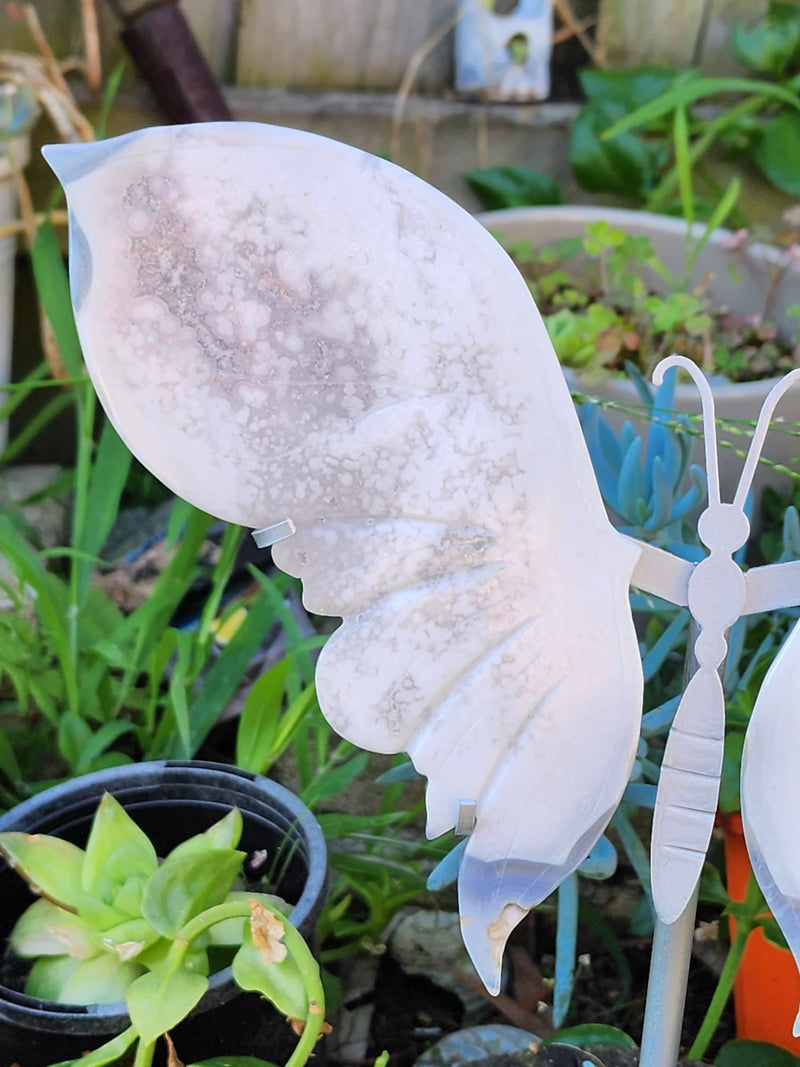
x=301, y=338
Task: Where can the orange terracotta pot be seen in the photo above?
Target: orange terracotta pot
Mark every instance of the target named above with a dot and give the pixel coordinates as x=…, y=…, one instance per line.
x=766, y=992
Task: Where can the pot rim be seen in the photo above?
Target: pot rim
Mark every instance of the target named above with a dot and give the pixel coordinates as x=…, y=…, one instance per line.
x=104, y=1019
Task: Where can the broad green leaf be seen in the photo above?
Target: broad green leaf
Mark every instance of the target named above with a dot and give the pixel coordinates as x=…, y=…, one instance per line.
x=749, y=909
x=777, y=153
x=588, y=1035
x=622, y=165
x=102, y=980
x=772, y=43
x=230, y=931
x=117, y=850
x=154, y=956
x=224, y=834
x=161, y=998
x=631, y=88
x=502, y=187
x=743, y=1053
x=281, y=983
x=50, y=866
x=44, y=929
x=188, y=884
x=773, y=932
x=712, y=887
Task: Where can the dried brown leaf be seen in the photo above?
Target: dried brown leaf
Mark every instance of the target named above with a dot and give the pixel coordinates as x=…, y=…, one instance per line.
x=172, y=1056
x=267, y=931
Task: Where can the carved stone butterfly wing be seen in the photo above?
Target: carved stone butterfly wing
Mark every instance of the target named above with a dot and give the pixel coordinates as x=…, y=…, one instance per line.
x=770, y=791
x=282, y=327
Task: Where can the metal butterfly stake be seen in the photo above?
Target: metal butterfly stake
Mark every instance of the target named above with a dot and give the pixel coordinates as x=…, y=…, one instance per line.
x=304, y=339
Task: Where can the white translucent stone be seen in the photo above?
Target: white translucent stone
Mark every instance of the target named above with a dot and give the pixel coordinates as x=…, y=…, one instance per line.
x=284, y=328
x=770, y=791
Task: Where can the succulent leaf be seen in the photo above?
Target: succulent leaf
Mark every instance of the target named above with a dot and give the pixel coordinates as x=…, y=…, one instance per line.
x=117, y=850
x=50, y=866
x=102, y=980
x=282, y=983
x=158, y=1000
x=224, y=834
x=48, y=976
x=187, y=884
x=45, y=929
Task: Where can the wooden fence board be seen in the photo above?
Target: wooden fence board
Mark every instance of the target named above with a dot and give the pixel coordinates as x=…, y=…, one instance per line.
x=60, y=20
x=350, y=44
x=716, y=51
x=637, y=32
x=214, y=25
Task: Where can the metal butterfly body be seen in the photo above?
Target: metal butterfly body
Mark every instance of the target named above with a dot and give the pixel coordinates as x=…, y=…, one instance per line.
x=294, y=335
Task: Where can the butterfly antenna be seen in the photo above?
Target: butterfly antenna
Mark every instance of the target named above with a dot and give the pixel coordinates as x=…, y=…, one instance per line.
x=709, y=425
x=760, y=433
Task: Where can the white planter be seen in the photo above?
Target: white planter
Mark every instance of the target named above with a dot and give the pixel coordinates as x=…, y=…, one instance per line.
x=743, y=290
x=20, y=147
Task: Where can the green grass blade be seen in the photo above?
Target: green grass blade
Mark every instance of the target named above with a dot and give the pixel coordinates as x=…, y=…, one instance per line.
x=52, y=287
x=691, y=92
x=680, y=132
x=220, y=683
x=28, y=569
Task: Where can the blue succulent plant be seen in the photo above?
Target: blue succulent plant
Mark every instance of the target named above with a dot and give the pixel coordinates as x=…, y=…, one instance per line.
x=643, y=480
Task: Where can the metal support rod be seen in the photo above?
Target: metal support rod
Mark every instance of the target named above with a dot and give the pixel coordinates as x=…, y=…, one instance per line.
x=671, y=956
x=666, y=989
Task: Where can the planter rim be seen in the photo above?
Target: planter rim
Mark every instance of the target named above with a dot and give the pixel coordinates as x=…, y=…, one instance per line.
x=175, y=772
x=583, y=214
x=588, y=213
x=685, y=392
x=668, y=225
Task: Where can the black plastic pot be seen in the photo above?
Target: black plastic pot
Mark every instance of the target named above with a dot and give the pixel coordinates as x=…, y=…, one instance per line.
x=171, y=801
